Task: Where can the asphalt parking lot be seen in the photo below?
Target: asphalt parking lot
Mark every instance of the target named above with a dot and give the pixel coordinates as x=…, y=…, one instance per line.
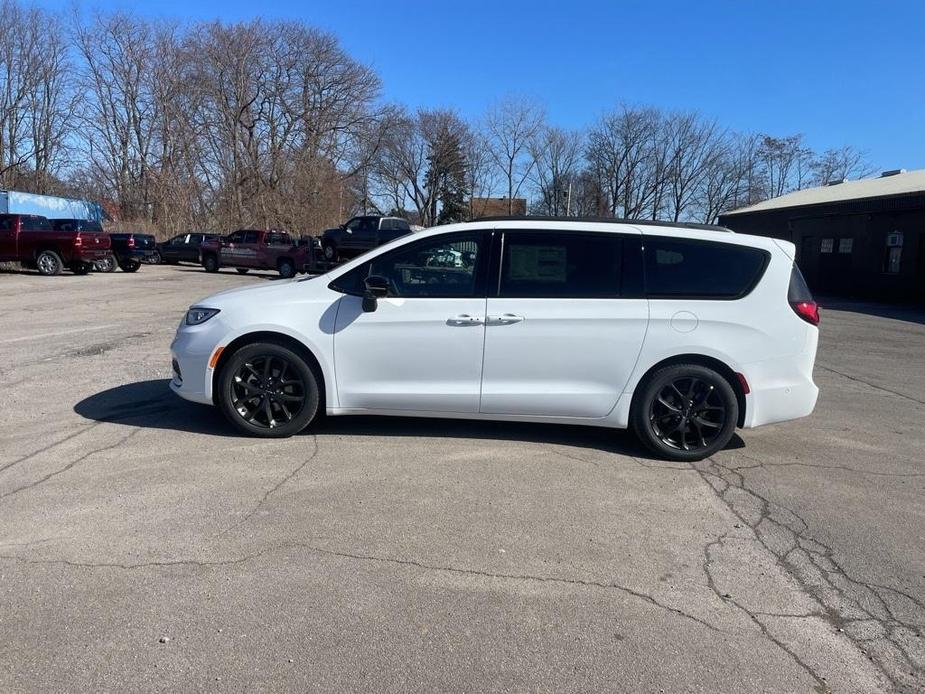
x=145, y=546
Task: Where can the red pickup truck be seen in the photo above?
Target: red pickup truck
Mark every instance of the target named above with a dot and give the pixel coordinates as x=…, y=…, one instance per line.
x=250, y=249
x=31, y=240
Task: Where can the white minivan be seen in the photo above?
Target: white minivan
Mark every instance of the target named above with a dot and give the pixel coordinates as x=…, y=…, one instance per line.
x=682, y=332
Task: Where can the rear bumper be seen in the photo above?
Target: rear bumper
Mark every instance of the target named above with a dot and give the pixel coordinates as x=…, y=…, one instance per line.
x=142, y=255
x=88, y=255
x=782, y=389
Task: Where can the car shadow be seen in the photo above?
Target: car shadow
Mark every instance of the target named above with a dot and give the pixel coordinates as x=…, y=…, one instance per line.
x=151, y=404
x=263, y=274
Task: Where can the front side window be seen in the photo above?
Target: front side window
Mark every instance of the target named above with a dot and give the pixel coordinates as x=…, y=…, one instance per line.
x=561, y=265
x=251, y=237
x=442, y=267
x=686, y=268
x=236, y=237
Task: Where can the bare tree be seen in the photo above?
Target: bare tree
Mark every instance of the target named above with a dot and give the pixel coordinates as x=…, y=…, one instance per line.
x=558, y=155
x=840, y=164
x=510, y=127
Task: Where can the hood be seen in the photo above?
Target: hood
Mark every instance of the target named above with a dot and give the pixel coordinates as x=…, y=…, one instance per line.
x=276, y=290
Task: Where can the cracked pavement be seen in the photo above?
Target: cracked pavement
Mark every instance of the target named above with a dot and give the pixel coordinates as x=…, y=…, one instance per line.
x=402, y=555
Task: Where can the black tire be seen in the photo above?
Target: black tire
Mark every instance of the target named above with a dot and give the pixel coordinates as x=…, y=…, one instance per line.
x=129, y=265
x=263, y=381
x=243, y=270
x=106, y=264
x=210, y=263
x=49, y=263
x=156, y=258
x=685, y=412
x=286, y=268
x=79, y=268
x=330, y=252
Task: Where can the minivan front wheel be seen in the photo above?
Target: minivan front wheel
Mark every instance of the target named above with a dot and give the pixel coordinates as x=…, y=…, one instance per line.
x=685, y=412
x=267, y=390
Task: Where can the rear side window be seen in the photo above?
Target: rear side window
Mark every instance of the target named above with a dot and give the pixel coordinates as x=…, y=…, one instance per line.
x=35, y=224
x=555, y=265
x=692, y=269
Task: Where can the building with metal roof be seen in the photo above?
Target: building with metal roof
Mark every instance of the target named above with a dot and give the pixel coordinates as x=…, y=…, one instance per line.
x=863, y=238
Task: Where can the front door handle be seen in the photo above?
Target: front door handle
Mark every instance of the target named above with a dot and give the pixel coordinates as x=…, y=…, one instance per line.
x=505, y=319
x=465, y=319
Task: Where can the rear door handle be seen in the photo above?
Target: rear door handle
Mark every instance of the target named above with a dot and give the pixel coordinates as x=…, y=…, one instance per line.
x=465, y=319
x=505, y=319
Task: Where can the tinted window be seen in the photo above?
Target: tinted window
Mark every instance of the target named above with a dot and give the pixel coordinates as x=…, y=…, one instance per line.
x=236, y=237
x=251, y=237
x=35, y=224
x=446, y=267
x=194, y=239
x=5, y=224
x=561, y=265
x=701, y=269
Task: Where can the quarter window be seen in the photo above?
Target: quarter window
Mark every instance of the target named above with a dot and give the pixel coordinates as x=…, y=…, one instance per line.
x=561, y=265
x=441, y=267
x=701, y=269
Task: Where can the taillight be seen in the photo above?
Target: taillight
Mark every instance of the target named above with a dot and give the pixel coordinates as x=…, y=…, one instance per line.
x=807, y=310
x=78, y=241
x=131, y=241
x=801, y=299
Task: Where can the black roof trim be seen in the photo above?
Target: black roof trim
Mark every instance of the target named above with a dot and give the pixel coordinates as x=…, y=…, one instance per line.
x=608, y=220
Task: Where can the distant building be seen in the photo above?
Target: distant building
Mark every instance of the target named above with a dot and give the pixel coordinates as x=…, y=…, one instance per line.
x=497, y=207
x=854, y=238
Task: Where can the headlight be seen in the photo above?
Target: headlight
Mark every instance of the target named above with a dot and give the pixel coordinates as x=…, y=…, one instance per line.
x=198, y=315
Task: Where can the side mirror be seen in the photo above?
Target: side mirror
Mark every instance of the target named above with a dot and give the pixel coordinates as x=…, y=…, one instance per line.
x=376, y=287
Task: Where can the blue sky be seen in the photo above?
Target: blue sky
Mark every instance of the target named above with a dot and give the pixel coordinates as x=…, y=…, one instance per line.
x=846, y=72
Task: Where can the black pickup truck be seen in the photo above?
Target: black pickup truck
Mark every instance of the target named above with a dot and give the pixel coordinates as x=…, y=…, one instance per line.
x=360, y=234
x=130, y=251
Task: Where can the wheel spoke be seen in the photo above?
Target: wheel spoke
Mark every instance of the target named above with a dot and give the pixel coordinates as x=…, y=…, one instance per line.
x=663, y=401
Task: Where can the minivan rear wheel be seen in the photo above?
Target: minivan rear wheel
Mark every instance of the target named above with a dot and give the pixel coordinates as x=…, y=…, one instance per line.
x=267, y=390
x=685, y=412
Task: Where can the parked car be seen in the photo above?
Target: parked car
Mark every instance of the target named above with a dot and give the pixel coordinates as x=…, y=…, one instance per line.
x=129, y=250
x=680, y=332
x=33, y=241
x=360, y=234
x=251, y=249
x=183, y=248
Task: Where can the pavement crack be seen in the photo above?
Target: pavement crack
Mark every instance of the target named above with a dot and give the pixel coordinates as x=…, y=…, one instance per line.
x=70, y=465
x=869, y=384
x=44, y=449
x=271, y=491
x=843, y=598
x=356, y=556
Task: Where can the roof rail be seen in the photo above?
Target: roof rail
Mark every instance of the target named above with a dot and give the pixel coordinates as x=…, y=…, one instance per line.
x=608, y=220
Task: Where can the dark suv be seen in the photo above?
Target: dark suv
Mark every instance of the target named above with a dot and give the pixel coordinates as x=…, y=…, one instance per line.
x=183, y=248
x=360, y=234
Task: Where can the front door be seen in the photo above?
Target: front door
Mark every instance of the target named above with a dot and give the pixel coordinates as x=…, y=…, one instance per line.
x=421, y=349
x=567, y=324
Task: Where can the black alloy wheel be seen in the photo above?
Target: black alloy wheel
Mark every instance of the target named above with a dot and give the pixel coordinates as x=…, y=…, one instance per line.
x=686, y=412
x=156, y=258
x=268, y=390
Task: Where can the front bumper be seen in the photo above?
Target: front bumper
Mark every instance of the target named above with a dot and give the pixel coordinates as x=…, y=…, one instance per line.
x=190, y=352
